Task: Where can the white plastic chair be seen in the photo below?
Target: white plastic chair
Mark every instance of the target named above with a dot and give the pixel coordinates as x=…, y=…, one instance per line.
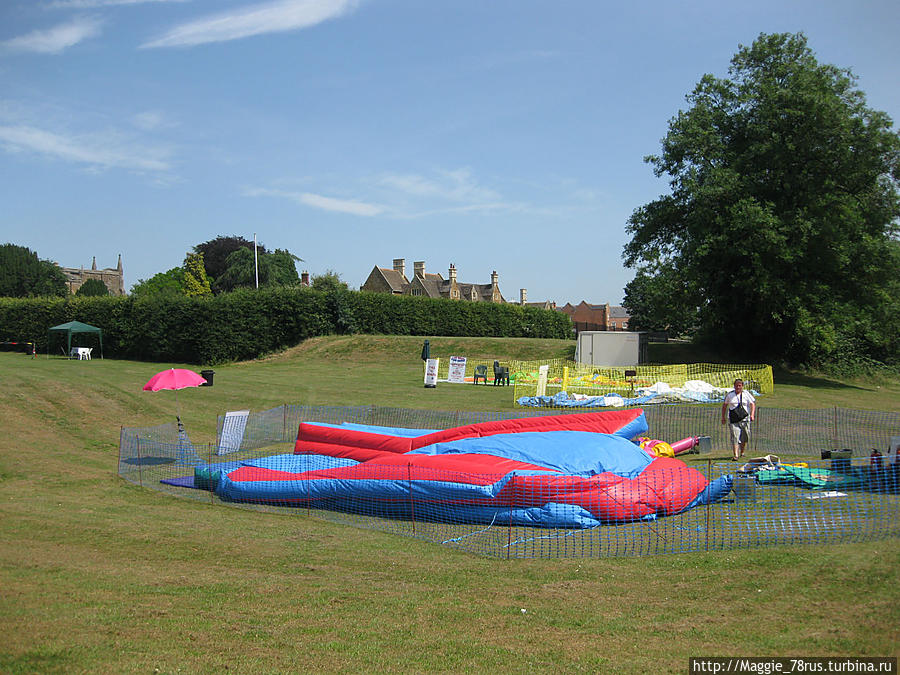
x=87, y=353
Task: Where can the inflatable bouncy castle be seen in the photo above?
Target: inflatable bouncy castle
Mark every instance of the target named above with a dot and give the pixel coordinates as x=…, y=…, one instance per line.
x=570, y=471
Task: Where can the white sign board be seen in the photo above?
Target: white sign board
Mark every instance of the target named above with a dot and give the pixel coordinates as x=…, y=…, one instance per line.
x=895, y=449
x=431, y=370
x=542, y=380
x=457, y=371
x=232, y=431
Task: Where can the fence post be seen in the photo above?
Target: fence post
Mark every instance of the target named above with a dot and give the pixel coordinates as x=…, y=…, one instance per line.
x=755, y=435
x=834, y=438
x=509, y=529
x=140, y=463
x=412, y=508
x=121, y=438
x=709, y=480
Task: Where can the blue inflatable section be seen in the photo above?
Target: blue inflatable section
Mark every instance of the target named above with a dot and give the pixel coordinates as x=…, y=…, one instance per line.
x=299, y=463
x=713, y=492
x=568, y=452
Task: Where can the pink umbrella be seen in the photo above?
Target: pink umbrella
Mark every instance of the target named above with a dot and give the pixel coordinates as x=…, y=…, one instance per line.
x=174, y=379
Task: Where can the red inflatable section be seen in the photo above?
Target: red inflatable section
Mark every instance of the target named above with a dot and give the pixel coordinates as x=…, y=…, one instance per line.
x=665, y=487
x=364, y=446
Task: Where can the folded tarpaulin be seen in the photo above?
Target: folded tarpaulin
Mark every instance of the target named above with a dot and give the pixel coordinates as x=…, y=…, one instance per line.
x=818, y=479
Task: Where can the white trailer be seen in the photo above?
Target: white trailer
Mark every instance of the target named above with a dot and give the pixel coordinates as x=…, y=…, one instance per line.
x=611, y=348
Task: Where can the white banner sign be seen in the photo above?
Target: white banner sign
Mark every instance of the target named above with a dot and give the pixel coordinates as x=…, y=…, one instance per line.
x=431, y=370
x=457, y=369
x=232, y=431
x=542, y=380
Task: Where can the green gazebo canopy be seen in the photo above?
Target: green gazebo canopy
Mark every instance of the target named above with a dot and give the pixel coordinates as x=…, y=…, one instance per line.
x=73, y=328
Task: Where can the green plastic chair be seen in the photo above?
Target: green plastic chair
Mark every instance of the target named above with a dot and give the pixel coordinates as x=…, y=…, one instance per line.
x=480, y=371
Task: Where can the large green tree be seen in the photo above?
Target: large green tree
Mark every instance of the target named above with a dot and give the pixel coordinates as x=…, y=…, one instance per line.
x=216, y=251
x=328, y=281
x=92, y=288
x=229, y=264
x=195, y=281
x=656, y=302
x=275, y=269
x=782, y=217
x=23, y=274
x=169, y=283
x=282, y=268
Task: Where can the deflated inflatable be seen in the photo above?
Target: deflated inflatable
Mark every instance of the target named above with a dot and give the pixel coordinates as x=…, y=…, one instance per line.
x=573, y=471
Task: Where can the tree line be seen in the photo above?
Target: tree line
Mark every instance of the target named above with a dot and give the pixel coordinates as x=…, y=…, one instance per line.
x=220, y=265
x=227, y=263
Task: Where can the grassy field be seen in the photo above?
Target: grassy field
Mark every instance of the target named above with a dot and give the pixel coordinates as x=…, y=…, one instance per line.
x=100, y=576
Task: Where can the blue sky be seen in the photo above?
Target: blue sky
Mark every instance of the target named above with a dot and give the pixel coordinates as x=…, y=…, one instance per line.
x=493, y=134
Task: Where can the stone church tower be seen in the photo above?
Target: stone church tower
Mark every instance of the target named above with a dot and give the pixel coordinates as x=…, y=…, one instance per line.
x=112, y=278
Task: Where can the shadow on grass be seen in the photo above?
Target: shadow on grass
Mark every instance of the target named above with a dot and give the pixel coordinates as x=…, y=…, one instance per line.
x=686, y=352
x=668, y=353
x=784, y=376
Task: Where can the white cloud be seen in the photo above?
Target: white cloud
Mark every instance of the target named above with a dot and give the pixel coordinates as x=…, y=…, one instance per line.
x=56, y=39
x=93, y=4
x=351, y=206
x=456, y=185
x=151, y=120
x=407, y=196
x=467, y=208
x=272, y=17
x=98, y=151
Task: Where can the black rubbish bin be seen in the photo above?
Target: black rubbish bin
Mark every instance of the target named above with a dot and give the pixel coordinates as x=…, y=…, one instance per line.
x=840, y=460
x=208, y=376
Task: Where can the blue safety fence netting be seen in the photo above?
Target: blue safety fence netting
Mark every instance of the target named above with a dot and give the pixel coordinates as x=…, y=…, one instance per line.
x=778, y=499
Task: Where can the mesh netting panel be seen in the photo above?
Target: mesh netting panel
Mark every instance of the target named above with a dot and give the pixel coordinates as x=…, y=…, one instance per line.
x=140, y=448
x=587, y=380
x=817, y=501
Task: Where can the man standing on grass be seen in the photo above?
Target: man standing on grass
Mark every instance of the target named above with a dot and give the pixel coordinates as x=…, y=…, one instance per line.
x=740, y=409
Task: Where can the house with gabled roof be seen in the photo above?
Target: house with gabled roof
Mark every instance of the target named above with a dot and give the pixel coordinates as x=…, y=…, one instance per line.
x=618, y=318
x=587, y=316
x=429, y=284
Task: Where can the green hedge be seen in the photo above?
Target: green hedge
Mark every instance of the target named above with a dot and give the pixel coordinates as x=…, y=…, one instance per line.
x=249, y=323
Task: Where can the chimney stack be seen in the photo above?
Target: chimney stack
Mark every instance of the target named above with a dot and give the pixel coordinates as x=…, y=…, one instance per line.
x=304, y=278
x=523, y=296
x=494, y=278
x=452, y=273
x=400, y=266
x=419, y=268
x=94, y=264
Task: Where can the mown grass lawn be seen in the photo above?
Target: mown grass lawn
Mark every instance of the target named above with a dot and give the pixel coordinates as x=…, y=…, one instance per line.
x=98, y=575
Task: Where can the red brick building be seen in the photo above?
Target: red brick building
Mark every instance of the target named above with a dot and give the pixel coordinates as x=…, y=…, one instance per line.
x=586, y=316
